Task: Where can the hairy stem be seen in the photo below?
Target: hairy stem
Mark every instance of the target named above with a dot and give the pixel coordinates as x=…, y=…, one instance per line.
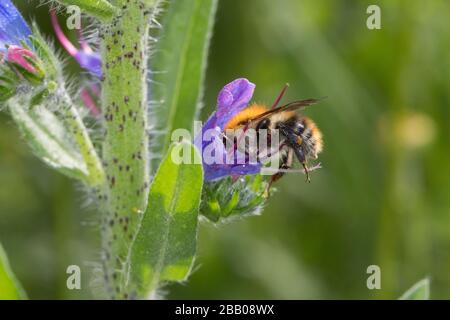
x=96, y=175
x=125, y=147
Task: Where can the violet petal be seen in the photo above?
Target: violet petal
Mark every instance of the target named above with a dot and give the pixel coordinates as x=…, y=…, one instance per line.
x=13, y=27
x=90, y=61
x=233, y=98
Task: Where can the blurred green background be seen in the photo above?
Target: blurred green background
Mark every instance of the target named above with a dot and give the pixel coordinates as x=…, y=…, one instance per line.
x=382, y=197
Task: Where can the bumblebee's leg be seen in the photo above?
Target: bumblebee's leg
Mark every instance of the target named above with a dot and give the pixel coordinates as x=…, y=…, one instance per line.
x=286, y=163
x=266, y=154
x=301, y=157
x=308, y=179
x=235, y=140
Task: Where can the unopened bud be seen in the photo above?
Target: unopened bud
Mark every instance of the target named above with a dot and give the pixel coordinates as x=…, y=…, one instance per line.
x=26, y=64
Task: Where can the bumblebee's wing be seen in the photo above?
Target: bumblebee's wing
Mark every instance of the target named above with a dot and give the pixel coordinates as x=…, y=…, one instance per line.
x=287, y=107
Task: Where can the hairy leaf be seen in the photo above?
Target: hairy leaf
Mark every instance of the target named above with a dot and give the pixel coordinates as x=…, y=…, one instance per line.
x=165, y=246
x=100, y=9
x=49, y=139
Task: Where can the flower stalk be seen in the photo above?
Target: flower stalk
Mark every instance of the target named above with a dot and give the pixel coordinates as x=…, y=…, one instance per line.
x=74, y=122
x=125, y=148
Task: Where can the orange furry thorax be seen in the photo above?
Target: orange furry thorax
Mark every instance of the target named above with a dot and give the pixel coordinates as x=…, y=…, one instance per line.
x=243, y=116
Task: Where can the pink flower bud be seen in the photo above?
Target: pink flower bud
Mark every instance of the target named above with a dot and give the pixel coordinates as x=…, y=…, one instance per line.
x=17, y=55
x=26, y=64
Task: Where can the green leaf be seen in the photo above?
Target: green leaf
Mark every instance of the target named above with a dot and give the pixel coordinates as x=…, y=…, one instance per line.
x=10, y=288
x=179, y=64
x=100, y=9
x=165, y=245
x=419, y=291
x=49, y=139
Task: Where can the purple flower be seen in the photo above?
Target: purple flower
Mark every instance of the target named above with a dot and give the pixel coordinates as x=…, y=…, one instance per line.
x=13, y=27
x=233, y=98
x=86, y=57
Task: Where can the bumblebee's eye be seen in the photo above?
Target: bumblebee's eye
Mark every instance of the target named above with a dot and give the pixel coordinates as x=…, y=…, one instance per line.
x=263, y=124
x=299, y=128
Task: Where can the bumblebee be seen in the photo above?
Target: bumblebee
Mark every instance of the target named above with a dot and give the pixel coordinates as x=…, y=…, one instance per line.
x=299, y=135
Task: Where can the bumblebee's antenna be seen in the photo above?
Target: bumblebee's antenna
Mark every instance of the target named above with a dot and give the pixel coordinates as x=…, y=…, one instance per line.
x=308, y=178
x=280, y=96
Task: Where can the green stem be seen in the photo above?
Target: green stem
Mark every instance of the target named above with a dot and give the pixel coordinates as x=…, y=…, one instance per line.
x=96, y=175
x=125, y=147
